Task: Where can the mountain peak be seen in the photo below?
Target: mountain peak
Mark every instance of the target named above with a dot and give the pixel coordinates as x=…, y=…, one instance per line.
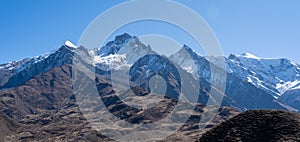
x=120, y=41
x=122, y=38
x=186, y=47
x=189, y=50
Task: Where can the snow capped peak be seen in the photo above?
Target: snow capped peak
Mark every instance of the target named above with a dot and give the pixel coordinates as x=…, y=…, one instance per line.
x=248, y=55
x=70, y=44
x=125, y=44
x=124, y=49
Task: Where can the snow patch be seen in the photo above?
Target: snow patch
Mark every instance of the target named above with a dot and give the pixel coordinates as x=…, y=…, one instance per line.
x=248, y=55
x=113, y=61
x=70, y=44
x=290, y=85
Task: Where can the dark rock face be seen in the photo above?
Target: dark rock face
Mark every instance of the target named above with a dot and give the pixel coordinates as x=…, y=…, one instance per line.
x=260, y=125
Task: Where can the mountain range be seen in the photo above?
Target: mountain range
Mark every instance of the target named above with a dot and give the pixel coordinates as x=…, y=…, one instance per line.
x=38, y=91
x=252, y=82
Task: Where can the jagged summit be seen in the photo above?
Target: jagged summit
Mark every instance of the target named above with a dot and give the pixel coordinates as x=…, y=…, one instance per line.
x=186, y=47
x=122, y=38
x=113, y=47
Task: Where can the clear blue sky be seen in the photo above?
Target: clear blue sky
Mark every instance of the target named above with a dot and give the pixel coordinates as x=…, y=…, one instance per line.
x=266, y=28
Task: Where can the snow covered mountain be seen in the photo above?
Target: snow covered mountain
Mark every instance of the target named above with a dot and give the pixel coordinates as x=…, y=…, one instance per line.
x=252, y=82
x=275, y=75
x=243, y=91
